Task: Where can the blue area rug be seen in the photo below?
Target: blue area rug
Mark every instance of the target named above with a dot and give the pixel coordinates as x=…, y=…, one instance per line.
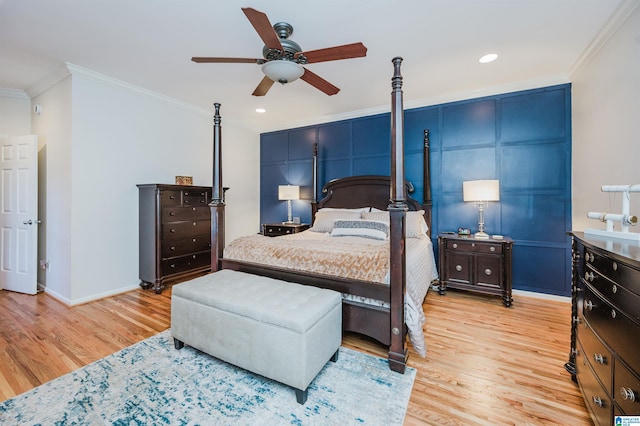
x=151, y=383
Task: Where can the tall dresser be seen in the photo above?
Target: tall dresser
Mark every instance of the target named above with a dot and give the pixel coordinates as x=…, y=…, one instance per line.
x=605, y=332
x=175, y=233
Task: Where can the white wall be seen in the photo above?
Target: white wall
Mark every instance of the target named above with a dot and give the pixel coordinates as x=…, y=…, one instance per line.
x=15, y=117
x=53, y=127
x=119, y=136
x=606, y=110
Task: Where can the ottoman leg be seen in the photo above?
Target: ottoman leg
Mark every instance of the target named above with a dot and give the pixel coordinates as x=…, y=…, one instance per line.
x=334, y=357
x=178, y=344
x=301, y=396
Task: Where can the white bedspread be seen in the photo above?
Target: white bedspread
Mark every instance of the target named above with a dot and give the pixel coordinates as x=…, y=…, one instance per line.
x=296, y=251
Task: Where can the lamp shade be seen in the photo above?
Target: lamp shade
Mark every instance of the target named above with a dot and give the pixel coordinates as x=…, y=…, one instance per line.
x=481, y=190
x=288, y=192
x=282, y=71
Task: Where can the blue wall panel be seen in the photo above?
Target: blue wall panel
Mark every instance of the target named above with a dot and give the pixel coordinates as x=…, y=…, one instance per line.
x=522, y=139
x=468, y=124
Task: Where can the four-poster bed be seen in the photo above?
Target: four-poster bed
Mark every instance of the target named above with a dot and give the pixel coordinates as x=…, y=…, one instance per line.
x=386, y=195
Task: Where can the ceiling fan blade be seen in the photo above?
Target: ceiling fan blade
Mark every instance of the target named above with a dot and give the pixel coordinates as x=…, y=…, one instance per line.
x=347, y=51
x=204, y=59
x=319, y=83
x=263, y=87
x=263, y=27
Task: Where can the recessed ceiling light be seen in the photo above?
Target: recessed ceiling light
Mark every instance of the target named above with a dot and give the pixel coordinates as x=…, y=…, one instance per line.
x=261, y=110
x=488, y=58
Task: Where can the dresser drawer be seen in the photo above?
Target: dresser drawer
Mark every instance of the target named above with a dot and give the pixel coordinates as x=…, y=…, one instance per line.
x=170, y=197
x=626, y=390
x=196, y=198
x=615, y=328
x=596, y=398
x=176, y=214
x=182, y=246
x=617, y=272
x=596, y=354
x=618, y=294
x=474, y=246
x=185, y=263
x=175, y=230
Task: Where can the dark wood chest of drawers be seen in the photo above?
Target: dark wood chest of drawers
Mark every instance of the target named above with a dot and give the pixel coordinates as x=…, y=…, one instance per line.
x=479, y=265
x=174, y=233
x=605, y=353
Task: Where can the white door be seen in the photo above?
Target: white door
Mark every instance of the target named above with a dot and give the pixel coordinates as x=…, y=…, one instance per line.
x=19, y=213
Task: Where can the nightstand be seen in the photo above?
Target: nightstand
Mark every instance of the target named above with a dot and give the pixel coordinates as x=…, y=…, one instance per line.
x=277, y=229
x=479, y=265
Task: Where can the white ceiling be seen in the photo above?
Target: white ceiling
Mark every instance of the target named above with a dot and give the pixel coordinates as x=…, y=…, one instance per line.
x=149, y=43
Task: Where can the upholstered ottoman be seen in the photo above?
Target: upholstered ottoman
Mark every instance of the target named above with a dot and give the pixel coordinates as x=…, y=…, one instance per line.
x=284, y=331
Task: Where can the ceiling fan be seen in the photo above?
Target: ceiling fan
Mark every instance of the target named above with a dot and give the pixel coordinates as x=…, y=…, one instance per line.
x=283, y=59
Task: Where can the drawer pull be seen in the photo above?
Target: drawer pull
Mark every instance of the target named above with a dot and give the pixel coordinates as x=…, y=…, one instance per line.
x=172, y=248
x=615, y=266
x=172, y=213
x=487, y=271
x=589, y=257
x=589, y=276
x=193, y=209
x=458, y=268
x=492, y=249
x=455, y=245
x=173, y=231
x=173, y=265
x=588, y=304
x=628, y=394
x=172, y=197
x=598, y=358
x=193, y=240
x=598, y=401
x=195, y=223
x=186, y=194
x=614, y=289
x=613, y=313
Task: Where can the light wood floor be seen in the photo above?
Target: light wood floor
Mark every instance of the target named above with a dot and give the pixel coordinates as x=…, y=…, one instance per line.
x=486, y=364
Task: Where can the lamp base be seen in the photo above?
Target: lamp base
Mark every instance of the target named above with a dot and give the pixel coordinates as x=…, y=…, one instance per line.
x=481, y=235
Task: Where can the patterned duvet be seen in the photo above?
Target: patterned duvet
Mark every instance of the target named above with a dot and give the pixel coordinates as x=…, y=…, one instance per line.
x=350, y=257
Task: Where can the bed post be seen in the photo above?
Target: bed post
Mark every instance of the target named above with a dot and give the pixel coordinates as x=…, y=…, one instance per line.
x=427, y=203
x=217, y=195
x=397, y=209
x=314, y=184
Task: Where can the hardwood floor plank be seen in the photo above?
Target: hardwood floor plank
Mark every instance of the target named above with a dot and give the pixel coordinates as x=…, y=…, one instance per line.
x=486, y=364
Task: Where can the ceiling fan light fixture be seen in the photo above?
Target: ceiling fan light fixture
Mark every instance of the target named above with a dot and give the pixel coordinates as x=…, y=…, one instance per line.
x=282, y=71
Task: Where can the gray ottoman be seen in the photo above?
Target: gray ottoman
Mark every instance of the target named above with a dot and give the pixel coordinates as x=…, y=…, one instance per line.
x=284, y=331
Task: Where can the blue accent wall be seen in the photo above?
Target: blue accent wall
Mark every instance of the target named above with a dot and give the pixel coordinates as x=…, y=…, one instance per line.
x=522, y=139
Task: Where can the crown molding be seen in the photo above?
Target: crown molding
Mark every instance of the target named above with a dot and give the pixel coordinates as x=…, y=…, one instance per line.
x=14, y=93
x=614, y=23
x=69, y=69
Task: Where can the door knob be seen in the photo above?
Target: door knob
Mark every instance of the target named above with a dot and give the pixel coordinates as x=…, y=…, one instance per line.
x=30, y=222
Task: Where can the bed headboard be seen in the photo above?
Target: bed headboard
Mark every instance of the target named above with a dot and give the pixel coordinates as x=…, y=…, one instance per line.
x=362, y=191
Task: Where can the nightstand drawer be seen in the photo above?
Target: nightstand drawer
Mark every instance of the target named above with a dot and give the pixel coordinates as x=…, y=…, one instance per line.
x=474, y=246
x=278, y=229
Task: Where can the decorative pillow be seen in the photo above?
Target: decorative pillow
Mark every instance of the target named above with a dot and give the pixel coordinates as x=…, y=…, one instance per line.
x=325, y=218
x=361, y=228
x=381, y=216
x=416, y=226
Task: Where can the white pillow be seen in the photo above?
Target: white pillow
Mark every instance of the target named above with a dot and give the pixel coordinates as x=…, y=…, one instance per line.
x=416, y=226
x=361, y=228
x=325, y=218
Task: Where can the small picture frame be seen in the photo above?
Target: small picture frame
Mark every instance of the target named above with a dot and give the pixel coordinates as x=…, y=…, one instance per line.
x=184, y=180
